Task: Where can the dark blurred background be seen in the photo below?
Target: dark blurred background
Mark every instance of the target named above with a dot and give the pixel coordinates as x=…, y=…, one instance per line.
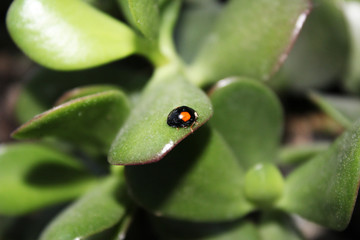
x=13, y=67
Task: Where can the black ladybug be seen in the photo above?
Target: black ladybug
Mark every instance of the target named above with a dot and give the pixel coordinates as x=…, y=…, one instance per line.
x=182, y=117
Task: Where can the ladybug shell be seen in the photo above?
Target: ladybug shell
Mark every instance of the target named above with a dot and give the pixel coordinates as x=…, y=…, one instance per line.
x=182, y=117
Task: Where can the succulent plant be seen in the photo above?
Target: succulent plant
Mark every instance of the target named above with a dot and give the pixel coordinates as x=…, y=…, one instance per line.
x=99, y=132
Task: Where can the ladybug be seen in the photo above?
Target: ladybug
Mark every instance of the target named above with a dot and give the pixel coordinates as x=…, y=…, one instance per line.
x=182, y=117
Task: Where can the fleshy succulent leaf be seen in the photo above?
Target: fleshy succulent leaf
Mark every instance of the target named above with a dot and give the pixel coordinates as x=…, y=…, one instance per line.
x=196, y=21
x=143, y=15
x=146, y=136
x=264, y=185
x=295, y=154
x=33, y=176
x=324, y=29
x=187, y=176
x=88, y=121
x=237, y=49
x=84, y=91
x=69, y=34
x=249, y=117
x=100, y=209
x=39, y=93
x=324, y=188
x=200, y=180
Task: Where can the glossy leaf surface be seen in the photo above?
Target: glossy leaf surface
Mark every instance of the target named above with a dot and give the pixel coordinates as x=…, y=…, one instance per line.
x=254, y=44
x=68, y=34
x=34, y=176
x=143, y=15
x=324, y=189
x=89, y=121
x=249, y=118
x=98, y=210
x=200, y=180
x=146, y=137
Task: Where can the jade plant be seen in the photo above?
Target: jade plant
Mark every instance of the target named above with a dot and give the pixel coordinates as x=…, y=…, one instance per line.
x=94, y=135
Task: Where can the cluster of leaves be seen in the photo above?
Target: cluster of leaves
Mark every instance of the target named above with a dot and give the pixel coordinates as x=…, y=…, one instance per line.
x=205, y=187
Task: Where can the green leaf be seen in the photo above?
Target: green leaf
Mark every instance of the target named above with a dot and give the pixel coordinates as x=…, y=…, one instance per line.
x=179, y=230
x=189, y=176
x=89, y=121
x=146, y=137
x=39, y=94
x=344, y=110
x=98, y=210
x=310, y=63
x=324, y=189
x=200, y=180
x=351, y=10
x=84, y=91
x=279, y=226
x=249, y=117
x=69, y=34
x=170, y=14
x=34, y=176
x=143, y=15
x=196, y=21
x=254, y=44
x=300, y=153
x=163, y=2
x=264, y=184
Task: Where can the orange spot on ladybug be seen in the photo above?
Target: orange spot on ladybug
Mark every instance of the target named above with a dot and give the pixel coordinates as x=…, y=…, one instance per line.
x=185, y=116
x=182, y=117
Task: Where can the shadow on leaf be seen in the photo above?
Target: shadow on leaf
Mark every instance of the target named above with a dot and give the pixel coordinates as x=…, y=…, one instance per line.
x=158, y=180
x=54, y=174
